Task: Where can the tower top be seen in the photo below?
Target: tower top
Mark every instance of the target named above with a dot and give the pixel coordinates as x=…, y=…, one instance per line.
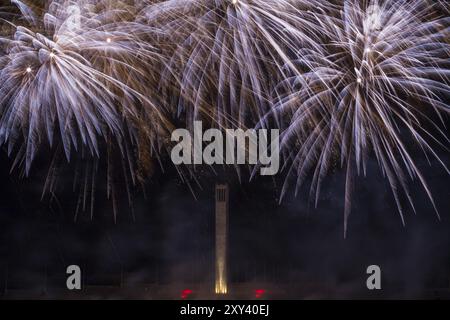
x=221, y=193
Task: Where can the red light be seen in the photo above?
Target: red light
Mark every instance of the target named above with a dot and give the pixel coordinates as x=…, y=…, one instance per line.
x=259, y=293
x=186, y=293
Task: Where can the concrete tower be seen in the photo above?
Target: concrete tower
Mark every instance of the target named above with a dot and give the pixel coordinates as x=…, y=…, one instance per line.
x=221, y=238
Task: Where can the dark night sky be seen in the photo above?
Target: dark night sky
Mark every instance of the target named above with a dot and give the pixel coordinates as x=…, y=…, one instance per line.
x=170, y=240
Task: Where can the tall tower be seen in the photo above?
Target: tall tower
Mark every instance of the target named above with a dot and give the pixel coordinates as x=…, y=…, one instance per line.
x=221, y=238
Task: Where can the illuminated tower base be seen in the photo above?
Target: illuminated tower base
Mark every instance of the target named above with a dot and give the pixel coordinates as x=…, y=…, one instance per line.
x=221, y=238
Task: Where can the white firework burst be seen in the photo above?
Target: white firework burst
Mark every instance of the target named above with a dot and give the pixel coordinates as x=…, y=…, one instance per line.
x=228, y=54
x=383, y=72
x=78, y=73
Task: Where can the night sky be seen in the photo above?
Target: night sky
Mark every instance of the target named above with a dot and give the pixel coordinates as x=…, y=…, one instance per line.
x=168, y=237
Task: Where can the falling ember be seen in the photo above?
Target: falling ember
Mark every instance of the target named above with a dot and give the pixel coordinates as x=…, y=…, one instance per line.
x=221, y=238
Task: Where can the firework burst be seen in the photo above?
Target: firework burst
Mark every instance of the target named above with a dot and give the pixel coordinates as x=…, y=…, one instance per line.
x=382, y=71
x=78, y=72
x=344, y=79
x=228, y=54
x=83, y=76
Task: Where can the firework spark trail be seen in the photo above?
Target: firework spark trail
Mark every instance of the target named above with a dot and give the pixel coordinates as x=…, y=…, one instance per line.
x=383, y=70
